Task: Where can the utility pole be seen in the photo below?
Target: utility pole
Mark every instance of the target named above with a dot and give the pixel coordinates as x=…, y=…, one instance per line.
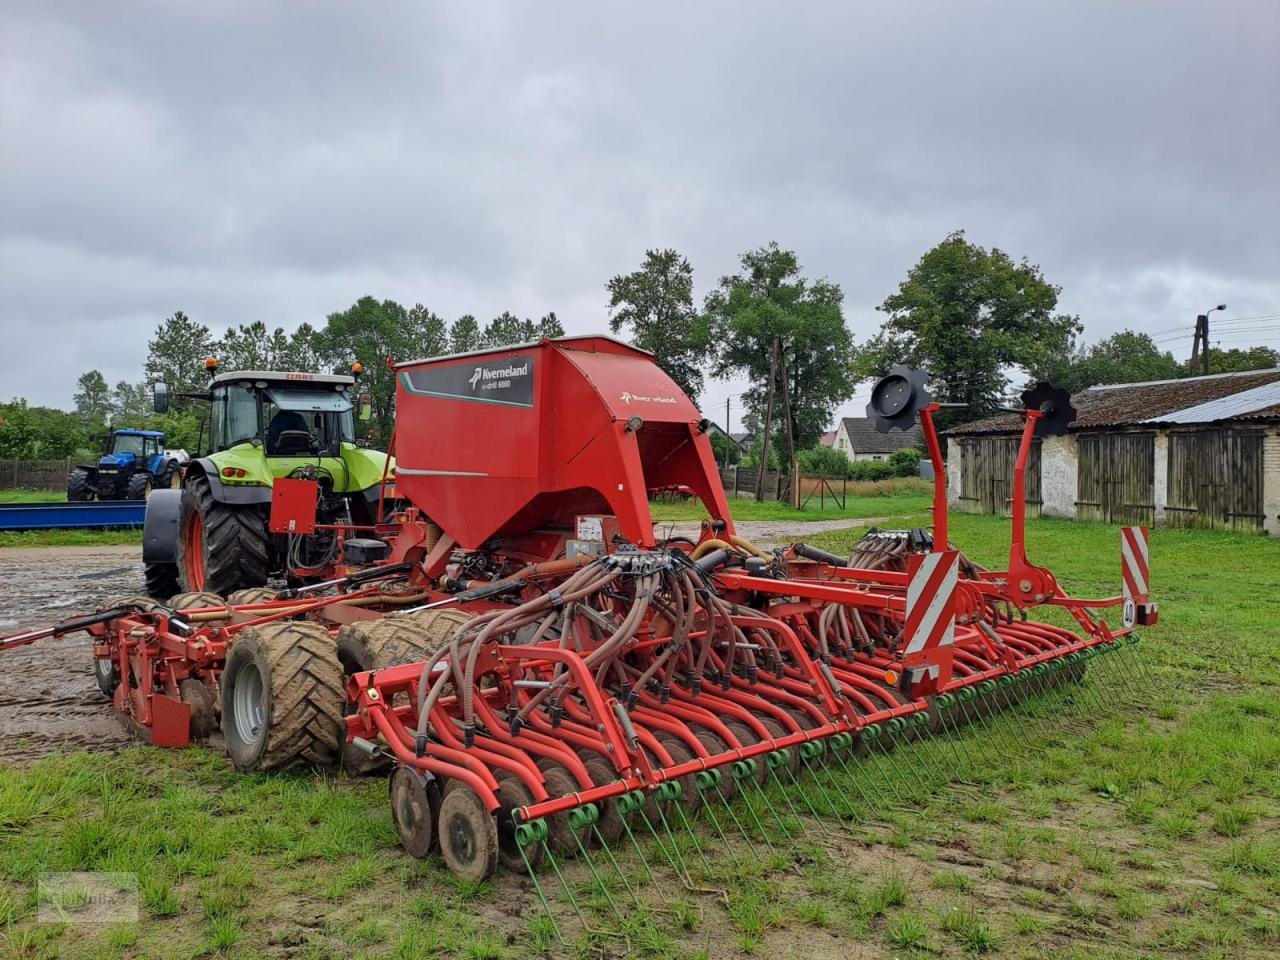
x=1200, y=344
x=727, y=435
x=768, y=421
x=791, y=437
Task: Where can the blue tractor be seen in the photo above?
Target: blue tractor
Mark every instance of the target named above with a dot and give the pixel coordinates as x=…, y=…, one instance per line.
x=134, y=464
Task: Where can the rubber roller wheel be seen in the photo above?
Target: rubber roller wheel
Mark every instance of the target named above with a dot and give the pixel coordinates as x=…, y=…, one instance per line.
x=512, y=795
x=282, y=697
x=415, y=807
x=252, y=595
x=560, y=783
x=199, y=698
x=468, y=835
x=609, y=823
x=681, y=753
x=200, y=600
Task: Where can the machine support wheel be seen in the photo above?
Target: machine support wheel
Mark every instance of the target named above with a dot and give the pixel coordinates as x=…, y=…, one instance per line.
x=105, y=672
x=415, y=805
x=559, y=783
x=513, y=794
x=282, y=697
x=199, y=698
x=221, y=546
x=252, y=595
x=468, y=835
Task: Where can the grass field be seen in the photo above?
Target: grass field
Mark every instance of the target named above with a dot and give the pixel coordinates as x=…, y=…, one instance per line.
x=59, y=538
x=865, y=499
x=32, y=496
x=1136, y=816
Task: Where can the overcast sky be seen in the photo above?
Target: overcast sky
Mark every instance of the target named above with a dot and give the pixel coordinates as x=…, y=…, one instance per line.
x=276, y=161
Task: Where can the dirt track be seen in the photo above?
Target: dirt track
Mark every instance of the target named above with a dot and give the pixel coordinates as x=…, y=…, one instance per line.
x=49, y=702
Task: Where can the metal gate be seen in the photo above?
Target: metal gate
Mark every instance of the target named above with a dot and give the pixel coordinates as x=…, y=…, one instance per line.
x=1215, y=479
x=1116, y=477
x=986, y=472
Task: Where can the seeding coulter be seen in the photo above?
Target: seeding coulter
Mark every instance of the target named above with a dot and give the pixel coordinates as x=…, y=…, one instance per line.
x=543, y=675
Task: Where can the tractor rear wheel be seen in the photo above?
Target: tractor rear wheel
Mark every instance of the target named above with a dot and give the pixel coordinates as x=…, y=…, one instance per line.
x=161, y=580
x=79, y=487
x=221, y=547
x=138, y=487
x=282, y=697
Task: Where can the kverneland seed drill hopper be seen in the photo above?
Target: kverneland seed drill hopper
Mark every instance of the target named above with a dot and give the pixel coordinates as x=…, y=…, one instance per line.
x=545, y=677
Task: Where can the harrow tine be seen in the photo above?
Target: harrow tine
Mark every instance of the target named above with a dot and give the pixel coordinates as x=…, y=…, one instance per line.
x=536, y=832
x=627, y=804
x=811, y=759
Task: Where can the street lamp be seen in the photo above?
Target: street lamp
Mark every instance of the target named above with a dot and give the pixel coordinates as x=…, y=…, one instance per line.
x=1200, y=346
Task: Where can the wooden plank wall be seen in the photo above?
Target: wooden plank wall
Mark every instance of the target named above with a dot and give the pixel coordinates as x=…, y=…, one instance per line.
x=1215, y=479
x=986, y=469
x=1116, y=477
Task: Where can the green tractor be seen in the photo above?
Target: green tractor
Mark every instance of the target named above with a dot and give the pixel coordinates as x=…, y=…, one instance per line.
x=212, y=534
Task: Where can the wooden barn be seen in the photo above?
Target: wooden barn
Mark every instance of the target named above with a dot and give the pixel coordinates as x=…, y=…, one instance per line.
x=1199, y=452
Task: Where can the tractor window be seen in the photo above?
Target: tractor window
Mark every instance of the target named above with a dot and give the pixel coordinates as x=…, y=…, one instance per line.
x=241, y=417
x=127, y=444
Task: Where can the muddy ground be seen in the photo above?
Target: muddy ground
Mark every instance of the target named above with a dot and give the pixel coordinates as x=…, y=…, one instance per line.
x=49, y=702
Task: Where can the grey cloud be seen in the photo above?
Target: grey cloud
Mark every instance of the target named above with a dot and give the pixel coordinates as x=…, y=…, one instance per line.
x=249, y=161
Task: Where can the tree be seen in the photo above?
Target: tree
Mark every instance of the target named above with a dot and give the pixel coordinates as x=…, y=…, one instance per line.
x=176, y=356
x=370, y=332
x=725, y=448
x=507, y=330
x=39, y=433
x=464, y=335
x=769, y=303
x=254, y=347
x=655, y=305
x=1236, y=360
x=1124, y=357
x=966, y=315
x=131, y=405
x=93, y=399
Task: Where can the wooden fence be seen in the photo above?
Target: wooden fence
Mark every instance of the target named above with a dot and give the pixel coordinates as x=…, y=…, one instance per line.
x=986, y=475
x=35, y=474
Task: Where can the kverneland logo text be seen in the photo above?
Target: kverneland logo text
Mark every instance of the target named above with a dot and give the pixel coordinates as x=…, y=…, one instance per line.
x=499, y=373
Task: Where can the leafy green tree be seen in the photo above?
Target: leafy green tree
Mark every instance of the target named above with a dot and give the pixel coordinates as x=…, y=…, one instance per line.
x=252, y=346
x=39, y=433
x=1236, y=360
x=655, y=305
x=176, y=356
x=508, y=330
x=464, y=335
x=769, y=303
x=549, y=327
x=725, y=447
x=371, y=331
x=93, y=400
x=131, y=405
x=966, y=315
x=1124, y=357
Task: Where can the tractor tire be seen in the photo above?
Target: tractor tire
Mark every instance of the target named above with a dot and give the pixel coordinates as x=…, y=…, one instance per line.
x=79, y=487
x=161, y=580
x=200, y=601
x=282, y=698
x=221, y=547
x=253, y=595
x=169, y=477
x=138, y=487
x=373, y=645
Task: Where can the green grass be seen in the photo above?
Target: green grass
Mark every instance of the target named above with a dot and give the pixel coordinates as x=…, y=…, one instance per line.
x=70, y=538
x=32, y=496
x=1133, y=817
x=865, y=499
x=59, y=538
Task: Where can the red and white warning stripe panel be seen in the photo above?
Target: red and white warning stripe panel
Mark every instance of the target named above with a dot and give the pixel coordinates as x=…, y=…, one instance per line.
x=1135, y=575
x=931, y=602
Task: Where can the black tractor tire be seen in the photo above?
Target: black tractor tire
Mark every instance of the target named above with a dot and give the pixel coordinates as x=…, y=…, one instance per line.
x=375, y=645
x=138, y=486
x=234, y=548
x=161, y=580
x=282, y=698
x=169, y=477
x=79, y=486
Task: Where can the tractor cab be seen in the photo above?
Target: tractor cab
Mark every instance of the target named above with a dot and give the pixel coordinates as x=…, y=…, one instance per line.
x=287, y=415
x=124, y=448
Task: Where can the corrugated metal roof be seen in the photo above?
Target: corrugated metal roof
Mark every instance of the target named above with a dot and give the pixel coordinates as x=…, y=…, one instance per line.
x=1225, y=408
x=1157, y=401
